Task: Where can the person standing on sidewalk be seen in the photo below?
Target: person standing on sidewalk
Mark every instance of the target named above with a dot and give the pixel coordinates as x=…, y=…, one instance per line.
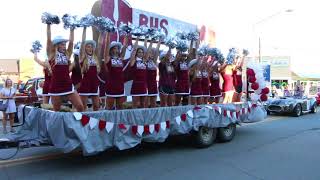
x=7, y=94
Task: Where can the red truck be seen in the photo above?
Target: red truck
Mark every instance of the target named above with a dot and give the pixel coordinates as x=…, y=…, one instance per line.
x=27, y=93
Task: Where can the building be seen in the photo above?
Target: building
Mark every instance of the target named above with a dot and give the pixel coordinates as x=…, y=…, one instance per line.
x=9, y=68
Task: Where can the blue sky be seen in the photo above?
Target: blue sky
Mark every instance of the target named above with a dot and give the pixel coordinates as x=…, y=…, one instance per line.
x=295, y=34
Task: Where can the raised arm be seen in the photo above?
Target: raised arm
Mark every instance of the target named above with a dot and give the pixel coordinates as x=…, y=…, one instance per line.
x=106, y=48
x=70, y=44
x=157, y=51
x=49, y=43
x=99, y=46
x=82, y=48
x=133, y=53
x=36, y=59
x=149, y=51
x=124, y=47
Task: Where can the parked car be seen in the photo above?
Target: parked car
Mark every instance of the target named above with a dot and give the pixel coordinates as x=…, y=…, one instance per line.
x=292, y=105
x=27, y=93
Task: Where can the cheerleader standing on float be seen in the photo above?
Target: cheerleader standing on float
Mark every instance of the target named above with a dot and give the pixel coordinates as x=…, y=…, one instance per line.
x=47, y=78
x=227, y=74
x=76, y=75
x=237, y=77
x=90, y=68
x=59, y=58
x=152, y=66
x=139, y=71
x=167, y=79
x=196, y=82
x=115, y=72
x=204, y=67
x=214, y=76
x=182, y=87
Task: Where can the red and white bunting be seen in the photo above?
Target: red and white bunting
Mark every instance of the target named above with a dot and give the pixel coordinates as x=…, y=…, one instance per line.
x=178, y=120
x=163, y=125
x=151, y=128
x=190, y=113
x=123, y=127
x=85, y=120
x=77, y=116
x=209, y=107
x=234, y=115
x=249, y=104
x=219, y=110
x=109, y=126
x=102, y=124
x=228, y=114
x=140, y=130
x=93, y=123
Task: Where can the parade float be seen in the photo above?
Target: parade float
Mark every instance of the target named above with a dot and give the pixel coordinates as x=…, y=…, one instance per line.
x=94, y=132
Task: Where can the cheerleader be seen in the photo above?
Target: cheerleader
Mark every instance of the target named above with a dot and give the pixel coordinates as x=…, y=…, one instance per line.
x=59, y=58
x=47, y=78
x=139, y=71
x=102, y=85
x=237, y=77
x=182, y=87
x=76, y=75
x=90, y=68
x=196, y=82
x=204, y=67
x=167, y=79
x=152, y=66
x=215, y=90
x=115, y=72
x=227, y=74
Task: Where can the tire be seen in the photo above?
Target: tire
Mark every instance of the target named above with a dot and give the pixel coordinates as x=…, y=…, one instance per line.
x=314, y=108
x=297, y=111
x=268, y=112
x=226, y=134
x=205, y=137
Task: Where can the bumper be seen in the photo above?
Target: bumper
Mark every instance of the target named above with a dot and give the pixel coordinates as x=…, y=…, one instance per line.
x=280, y=109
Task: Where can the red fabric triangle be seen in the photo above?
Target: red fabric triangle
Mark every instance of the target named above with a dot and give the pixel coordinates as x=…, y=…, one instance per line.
x=183, y=117
x=134, y=129
x=168, y=124
x=146, y=129
x=249, y=110
x=122, y=126
x=224, y=113
x=102, y=124
x=243, y=110
x=197, y=108
x=85, y=120
x=238, y=114
x=254, y=105
x=157, y=127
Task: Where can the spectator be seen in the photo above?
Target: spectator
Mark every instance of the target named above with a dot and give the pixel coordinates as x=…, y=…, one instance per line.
x=7, y=94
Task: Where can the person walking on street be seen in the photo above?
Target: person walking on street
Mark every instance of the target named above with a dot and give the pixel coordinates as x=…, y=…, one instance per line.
x=7, y=94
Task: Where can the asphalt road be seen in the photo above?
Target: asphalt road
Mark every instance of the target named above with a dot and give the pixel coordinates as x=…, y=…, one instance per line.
x=278, y=148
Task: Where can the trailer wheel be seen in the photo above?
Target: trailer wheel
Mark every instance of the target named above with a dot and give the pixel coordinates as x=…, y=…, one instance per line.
x=226, y=134
x=205, y=137
x=314, y=108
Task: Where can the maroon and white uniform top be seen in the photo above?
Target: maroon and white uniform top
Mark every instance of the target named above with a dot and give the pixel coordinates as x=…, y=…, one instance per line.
x=215, y=90
x=205, y=83
x=89, y=85
x=196, y=85
x=115, y=78
x=182, y=85
x=139, y=84
x=61, y=83
x=152, y=78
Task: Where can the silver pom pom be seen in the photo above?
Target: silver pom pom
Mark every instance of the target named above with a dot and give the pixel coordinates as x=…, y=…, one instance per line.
x=171, y=42
x=157, y=34
x=48, y=18
x=193, y=36
x=36, y=47
x=140, y=31
x=87, y=20
x=70, y=22
x=182, y=45
x=125, y=29
x=182, y=35
x=203, y=50
x=216, y=53
x=104, y=24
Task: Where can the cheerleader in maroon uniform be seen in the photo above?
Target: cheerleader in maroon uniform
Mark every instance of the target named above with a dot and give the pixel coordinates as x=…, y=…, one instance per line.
x=204, y=67
x=47, y=78
x=59, y=58
x=152, y=67
x=115, y=72
x=196, y=82
x=90, y=68
x=76, y=75
x=237, y=77
x=215, y=90
x=139, y=71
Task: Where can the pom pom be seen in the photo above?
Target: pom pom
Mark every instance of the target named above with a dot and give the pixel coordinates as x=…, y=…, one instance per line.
x=255, y=86
x=232, y=55
x=203, y=51
x=193, y=36
x=182, y=45
x=36, y=47
x=48, y=18
x=70, y=22
x=182, y=35
x=125, y=29
x=171, y=42
x=250, y=72
x=104, y=24
x=140, y=31
x=252, y=79
x=157, y=34
x=263, y=97
x=87, y=20
x=265, y=90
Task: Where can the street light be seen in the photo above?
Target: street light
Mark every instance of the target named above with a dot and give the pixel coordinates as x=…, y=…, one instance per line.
x=263, y=20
